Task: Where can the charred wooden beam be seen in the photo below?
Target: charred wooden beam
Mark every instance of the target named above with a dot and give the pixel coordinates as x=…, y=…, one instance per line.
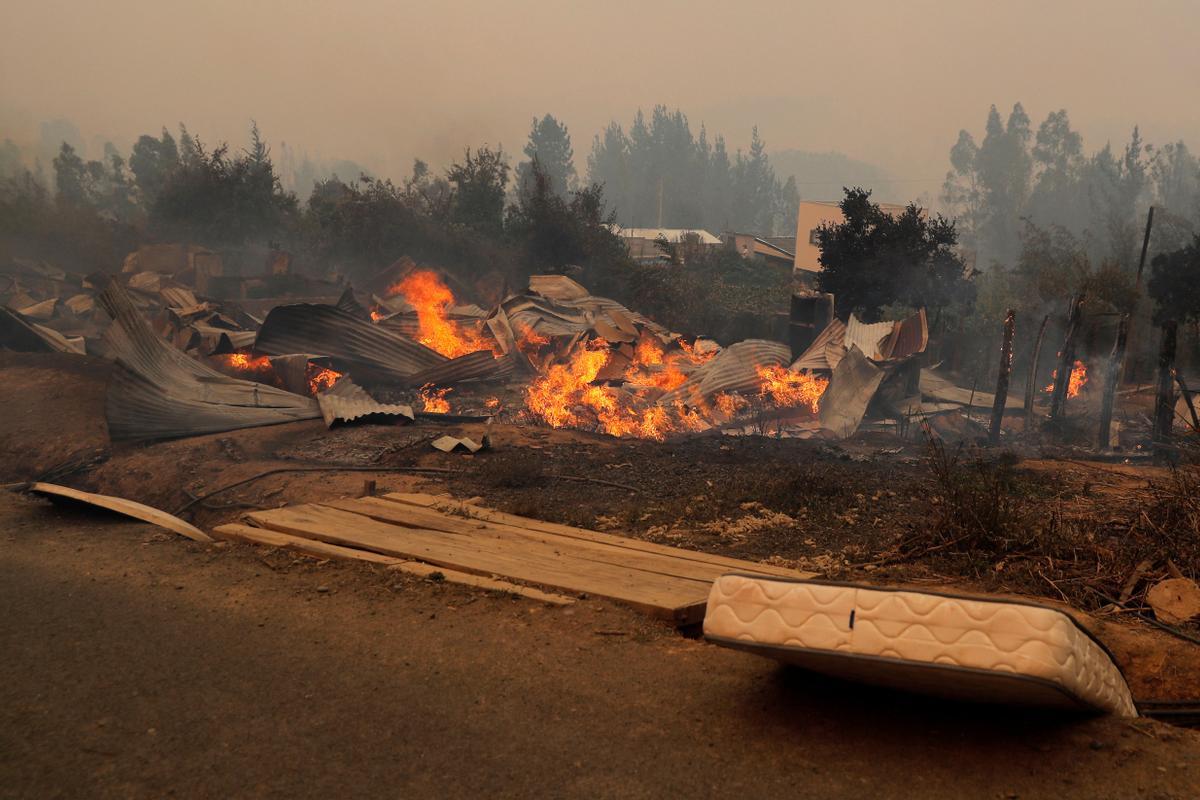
x=1130, y=367
x=1066, y=359
x=1002, y=377
x=1115, y=363
x=1031, y=381
x=1164, y=401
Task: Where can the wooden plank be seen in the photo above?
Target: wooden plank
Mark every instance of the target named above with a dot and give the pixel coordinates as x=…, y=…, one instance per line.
x=310, y=547
x=485, y=514
x=416, y=517
x=127, y=507
x=528, y=561
x=313, y=547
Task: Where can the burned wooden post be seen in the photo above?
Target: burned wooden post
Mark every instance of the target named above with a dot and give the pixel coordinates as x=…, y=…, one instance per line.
x=1066, y=359
x=1129, y=367
x=1002, y=377
x=1164, y=401
x=1115, y=363
x=1031, y=380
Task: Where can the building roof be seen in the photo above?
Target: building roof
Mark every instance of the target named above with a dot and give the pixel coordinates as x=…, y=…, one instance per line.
x=673, y=235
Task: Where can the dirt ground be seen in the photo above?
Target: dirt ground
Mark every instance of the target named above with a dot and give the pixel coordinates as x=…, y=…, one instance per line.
x=145, y=663
x=141, y=665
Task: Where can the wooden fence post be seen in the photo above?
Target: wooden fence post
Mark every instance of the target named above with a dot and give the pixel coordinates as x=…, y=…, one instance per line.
x=1031, y=380
x=1115, y=363
x=1164, y=401
x=1002, y=377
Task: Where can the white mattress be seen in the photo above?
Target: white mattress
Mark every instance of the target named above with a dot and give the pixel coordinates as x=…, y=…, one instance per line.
x=962, y=647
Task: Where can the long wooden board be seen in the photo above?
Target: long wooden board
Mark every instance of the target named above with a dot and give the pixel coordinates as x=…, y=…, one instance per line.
x=475, y=511
x=313, y=547
x=468, y=538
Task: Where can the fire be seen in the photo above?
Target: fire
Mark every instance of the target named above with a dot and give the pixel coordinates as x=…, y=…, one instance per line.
x=530, y=341
x=1077, y=380
x=376, y=315
x=431, y=298
x=649, y=353
x=259, y=368
x=785, y=388
x=321, y=378
x=433, y=399
x=492, y=403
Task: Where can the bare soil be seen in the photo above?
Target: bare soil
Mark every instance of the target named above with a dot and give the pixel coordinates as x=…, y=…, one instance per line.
x=138, y=664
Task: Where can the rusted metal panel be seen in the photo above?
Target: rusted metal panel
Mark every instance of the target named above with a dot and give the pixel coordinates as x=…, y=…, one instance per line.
x=158, y=392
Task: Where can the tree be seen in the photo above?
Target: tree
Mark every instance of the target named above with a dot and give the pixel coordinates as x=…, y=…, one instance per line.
x=152, y=162
x=217, y=198
x=873, y=259
x=71, y=179
x=1173, y=284
x=550, y=146
x=478, y=185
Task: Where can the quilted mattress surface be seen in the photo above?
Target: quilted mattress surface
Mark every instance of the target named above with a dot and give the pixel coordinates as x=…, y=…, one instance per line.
x=964, y=647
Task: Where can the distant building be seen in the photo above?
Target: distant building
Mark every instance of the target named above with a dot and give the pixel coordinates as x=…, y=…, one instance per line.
x=763, y=248
x=642, y=242
x=813, y=214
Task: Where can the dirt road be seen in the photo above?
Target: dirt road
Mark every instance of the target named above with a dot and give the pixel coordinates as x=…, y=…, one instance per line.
x=139, y=665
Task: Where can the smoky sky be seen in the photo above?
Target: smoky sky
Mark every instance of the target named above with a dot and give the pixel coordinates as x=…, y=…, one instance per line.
x=381, y=82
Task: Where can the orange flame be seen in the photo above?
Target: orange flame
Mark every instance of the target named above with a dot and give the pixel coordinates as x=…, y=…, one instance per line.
x=1075, y=382
x=376, y=315
x=785, y=388
x=431, y=298
x=492, y=403
x=256, y=368
x=433, y=399
x=321, y=378
x=567, y=395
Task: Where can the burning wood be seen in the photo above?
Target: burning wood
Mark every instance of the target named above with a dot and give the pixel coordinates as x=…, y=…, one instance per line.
x=1075, y=383
x=571, y=394
x=786, y=388
x=432, y=299
x=321, y=378
x=433, y=400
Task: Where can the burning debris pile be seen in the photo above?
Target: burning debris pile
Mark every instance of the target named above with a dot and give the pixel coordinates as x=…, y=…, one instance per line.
x=553, y=355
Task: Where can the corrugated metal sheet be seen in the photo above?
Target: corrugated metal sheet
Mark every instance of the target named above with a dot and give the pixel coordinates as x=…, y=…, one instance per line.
x=909, y=337
x=366, y=351
x=557, y=287
x=734, y=369
x=157, y=392
x=347, y=402
x=481, y=365
x=867, y=337
x=25, y=336
x=851, y=387
x=817, y=354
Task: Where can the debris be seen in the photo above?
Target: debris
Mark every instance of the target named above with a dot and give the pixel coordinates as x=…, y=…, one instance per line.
x=158, y=392
x=127, y=507
x=1174, y=600
x=366, y=352
x=448, y=444
x=349, y=402
x=851, y=388
x=25, y=336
